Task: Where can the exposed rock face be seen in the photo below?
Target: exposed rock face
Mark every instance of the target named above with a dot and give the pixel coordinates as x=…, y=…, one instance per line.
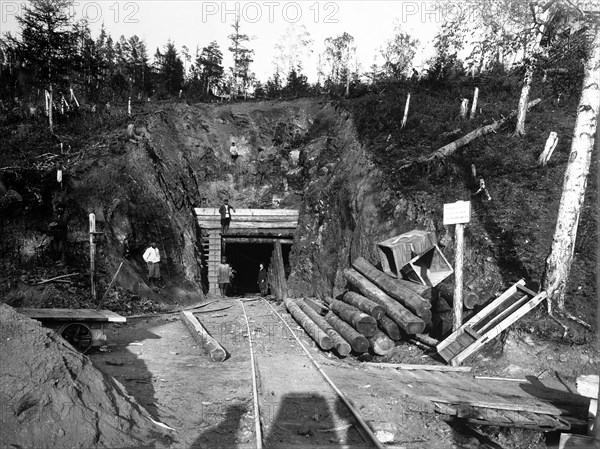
x=52, y=396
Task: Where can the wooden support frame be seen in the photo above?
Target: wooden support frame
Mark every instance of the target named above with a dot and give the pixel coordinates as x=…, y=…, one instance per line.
x=478, y=335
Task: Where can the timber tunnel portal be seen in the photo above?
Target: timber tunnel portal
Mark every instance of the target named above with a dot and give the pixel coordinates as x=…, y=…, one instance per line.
x=254, y=236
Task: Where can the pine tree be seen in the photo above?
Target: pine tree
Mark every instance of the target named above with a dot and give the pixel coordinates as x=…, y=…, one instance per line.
x=209, y=64
x=242, y=57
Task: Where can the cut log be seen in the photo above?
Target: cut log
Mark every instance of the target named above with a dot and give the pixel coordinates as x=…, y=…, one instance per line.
x=408, y=298
x=311, y=328
x=587, y=385
x=363, y=323
x=358, y=342
x=470, y=299
x=406, y=320
x=381, y=344
x=390, y=327
x=425, y=291
x=364, y=304
x=423, y=338
x=317, y=305
x=339, y=344
x=202, y=337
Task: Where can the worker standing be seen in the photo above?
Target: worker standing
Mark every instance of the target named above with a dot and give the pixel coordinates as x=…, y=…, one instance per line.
x=225, y=274
x=152, y=259
x=263, y=282
x=225, y=211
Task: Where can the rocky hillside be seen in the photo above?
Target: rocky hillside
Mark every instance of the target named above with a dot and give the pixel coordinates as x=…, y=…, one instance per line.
x=339, y=163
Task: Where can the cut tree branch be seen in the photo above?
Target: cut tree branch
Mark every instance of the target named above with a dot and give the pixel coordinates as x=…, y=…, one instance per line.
x=447, y=150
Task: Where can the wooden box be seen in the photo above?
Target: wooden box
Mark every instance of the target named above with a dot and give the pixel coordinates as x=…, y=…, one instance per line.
x=415, y=256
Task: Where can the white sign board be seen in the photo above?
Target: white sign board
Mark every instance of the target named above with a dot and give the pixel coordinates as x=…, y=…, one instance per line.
x=457, y=213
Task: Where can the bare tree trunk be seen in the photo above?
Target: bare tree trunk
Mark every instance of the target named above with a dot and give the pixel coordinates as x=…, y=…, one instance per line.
x=545, y=17
x=558, y=263
x=523, y=100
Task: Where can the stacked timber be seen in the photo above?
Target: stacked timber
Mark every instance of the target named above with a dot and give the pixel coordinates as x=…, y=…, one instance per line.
x=405, y=319
x=357, y=341
x=363, y=323
x=404, y=295
x=381, y=344
x=364, y=304
x=341, y=346
x=316, y=333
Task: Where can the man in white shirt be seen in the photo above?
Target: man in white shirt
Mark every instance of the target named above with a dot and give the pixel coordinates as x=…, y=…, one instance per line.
x=152, y=258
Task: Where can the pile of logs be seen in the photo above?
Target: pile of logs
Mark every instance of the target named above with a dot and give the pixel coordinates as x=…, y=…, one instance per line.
x=375, y=316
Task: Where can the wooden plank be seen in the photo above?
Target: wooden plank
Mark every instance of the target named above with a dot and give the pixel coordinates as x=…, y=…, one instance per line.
x=480, y=315
x=486, y=325
x=237, y=225
x=279, y=271
x=113, y=317
x=587, y=385
x=202, y=337
x=261, y=232
x=269, y=240
x=526, y=290
x=571, y=441
x=472, y=333
x=214, y=212
x=72, y=315
x=407, y=366
x=488, y=336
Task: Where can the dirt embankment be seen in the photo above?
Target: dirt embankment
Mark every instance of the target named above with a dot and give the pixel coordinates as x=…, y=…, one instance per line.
x=52, y=396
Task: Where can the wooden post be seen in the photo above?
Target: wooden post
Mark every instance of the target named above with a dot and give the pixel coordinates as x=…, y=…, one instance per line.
x=474, y=105
x=463, y=107
x=458, y=276
x=458, y=214
x=129, y=107
x=93, y=256
x=406, y=106
x=280, y=271
x=50, y=101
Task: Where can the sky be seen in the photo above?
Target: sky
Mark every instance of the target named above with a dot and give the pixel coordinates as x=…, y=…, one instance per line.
x=197, y=23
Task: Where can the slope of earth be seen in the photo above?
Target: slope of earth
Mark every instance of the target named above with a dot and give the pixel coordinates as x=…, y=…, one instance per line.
x=52, y=396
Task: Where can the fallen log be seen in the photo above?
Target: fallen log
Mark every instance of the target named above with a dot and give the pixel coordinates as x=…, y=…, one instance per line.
x=341, y=346
x=381, y=344
x=460, y=369
x=470, y=299
x=447, y=150
x=202, y=337
x=408, y=298
x=364, y=304
x=311, y=328
x=43, y=281
x=390, y=327
x=363, y=323
x=317, y=305
x=358, y=342
x=426, y=339
x=405, y=319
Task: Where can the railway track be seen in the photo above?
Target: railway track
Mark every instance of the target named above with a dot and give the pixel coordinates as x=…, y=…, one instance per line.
x=295, y=403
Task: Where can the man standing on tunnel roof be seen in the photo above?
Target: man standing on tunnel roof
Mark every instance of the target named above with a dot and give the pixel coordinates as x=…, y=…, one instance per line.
x=225, y=211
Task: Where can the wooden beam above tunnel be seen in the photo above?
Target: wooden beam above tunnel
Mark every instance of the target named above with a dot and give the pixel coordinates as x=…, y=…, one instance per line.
x=232, y=239
x=245, y=220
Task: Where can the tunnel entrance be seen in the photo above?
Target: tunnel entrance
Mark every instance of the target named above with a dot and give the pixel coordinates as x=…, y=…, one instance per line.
x=254, y=236
x=245, y=258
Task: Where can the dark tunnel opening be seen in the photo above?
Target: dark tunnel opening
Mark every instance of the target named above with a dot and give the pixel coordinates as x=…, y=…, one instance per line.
x=245, y=258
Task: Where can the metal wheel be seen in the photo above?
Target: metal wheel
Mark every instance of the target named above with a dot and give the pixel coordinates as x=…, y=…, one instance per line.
x=78, y=334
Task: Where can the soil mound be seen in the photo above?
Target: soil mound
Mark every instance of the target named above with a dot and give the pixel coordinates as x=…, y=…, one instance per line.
x=53, y=397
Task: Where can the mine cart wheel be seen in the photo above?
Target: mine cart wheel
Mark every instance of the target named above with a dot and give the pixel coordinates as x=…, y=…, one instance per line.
x=78, y=334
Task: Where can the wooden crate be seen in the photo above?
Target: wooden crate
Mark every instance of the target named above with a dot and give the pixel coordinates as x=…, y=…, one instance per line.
x=415, y=256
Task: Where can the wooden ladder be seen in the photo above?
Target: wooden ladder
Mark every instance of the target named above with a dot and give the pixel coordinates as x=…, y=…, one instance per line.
x=213, y=249
x=502, y=312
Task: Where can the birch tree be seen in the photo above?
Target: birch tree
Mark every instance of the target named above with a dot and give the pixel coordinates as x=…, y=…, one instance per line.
x=558, y=263
x=541, y=17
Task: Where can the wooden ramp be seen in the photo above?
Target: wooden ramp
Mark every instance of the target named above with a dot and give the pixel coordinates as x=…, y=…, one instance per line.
x=505, y=310
x=529, y=403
